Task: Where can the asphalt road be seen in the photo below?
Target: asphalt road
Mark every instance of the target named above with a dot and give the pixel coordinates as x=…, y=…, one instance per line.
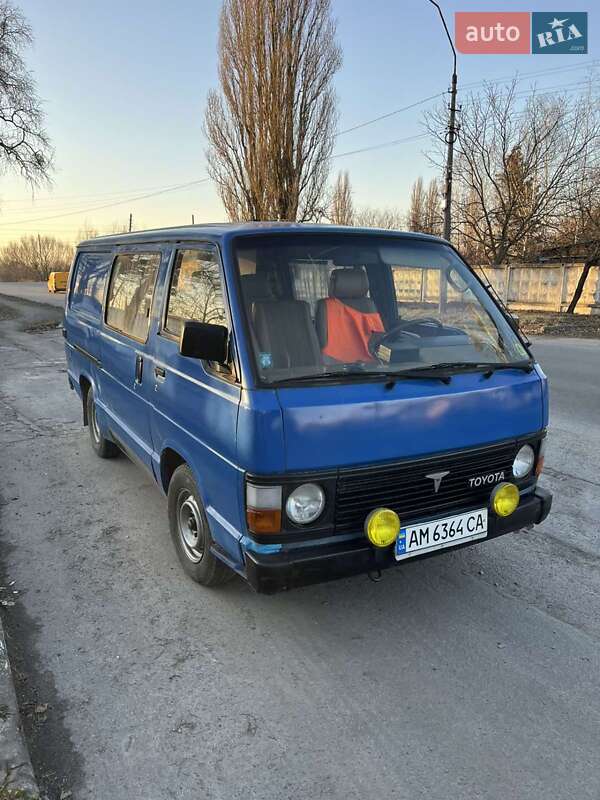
x=472, y=675
x=32, y=290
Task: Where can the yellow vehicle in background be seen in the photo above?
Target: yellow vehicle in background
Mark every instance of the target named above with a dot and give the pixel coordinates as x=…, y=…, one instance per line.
x=57, y=281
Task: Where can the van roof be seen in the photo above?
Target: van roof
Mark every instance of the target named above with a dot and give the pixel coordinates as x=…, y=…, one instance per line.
x=222, y=230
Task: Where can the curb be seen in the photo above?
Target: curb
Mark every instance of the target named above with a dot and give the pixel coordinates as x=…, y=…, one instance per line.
x=16, y=773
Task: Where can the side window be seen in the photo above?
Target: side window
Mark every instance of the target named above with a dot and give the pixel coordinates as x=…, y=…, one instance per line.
x=130, y=293
x=87, y=293
x=196, y=292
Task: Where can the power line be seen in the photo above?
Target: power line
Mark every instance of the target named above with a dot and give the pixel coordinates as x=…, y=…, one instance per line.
x=548, y=90
x=382, y=145
x=74, y=205
x=379, y=146
x=523, y=75
x=186, y=185
x=391, y=113
x=76, y=197
x=111, y=205
x=545, y=90
x=476, y=84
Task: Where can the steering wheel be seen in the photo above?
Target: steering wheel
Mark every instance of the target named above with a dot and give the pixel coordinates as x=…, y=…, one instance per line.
x=401, y=327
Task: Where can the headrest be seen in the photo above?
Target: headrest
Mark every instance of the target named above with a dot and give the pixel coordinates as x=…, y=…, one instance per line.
x=256, y=287
x=348, y=283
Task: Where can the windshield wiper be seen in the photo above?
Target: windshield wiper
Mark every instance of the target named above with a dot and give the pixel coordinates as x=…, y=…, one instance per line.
x=408, y=374
x=440, y=372
x=487, y=367
x=328, y=374
x=525, y=366
x=445, y=370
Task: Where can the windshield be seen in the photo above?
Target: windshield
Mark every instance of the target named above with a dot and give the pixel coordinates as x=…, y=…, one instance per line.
x=319, y=305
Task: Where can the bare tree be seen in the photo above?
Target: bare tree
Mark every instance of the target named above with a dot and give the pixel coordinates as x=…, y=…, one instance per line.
x=592, y=260
x=416, y=211
x=271, y=128
x=34, y=258
x=579, y=235
x=388, y=218
x=465, y=199
x=90, y=231
x=342, y=208
x=425, y=210
x=122, y=226
x=515, y=169
x=24, y=144
x=87, y=231
x=434, y=216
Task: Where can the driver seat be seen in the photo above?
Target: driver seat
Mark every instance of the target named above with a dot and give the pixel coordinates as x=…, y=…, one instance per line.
x=348, y=318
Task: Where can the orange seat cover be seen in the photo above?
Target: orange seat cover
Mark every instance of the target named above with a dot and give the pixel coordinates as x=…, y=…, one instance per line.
x=349, y=332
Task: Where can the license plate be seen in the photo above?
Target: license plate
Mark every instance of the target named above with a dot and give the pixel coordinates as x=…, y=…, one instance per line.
x=439, y=533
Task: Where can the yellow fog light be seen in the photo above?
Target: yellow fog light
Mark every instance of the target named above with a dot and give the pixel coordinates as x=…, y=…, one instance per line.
x=505, y=499
x=382, y=526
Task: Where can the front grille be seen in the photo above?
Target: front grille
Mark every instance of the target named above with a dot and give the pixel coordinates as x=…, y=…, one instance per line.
x=404, y=487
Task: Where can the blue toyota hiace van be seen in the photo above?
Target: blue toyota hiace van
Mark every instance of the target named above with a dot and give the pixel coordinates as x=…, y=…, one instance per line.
x=314, y=401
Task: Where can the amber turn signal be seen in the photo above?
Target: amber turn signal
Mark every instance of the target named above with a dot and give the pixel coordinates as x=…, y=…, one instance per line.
x=263, y=520
x=263, y=508
x=539, y=467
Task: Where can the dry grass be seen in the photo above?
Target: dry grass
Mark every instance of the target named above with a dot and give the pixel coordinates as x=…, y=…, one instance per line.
x=9, y=792
x=551, y=323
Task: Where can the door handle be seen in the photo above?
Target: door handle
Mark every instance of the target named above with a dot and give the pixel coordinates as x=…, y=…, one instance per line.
x=160, y=373
x=139, y=368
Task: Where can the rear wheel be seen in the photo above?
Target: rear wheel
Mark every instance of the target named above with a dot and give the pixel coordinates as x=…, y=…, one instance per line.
x=103, y=447
x=190, y=531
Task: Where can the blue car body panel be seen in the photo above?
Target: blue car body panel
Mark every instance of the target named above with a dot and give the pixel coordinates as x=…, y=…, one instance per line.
x=366, y=423
x=195, y=415
x=225, y=429
x=121, y=399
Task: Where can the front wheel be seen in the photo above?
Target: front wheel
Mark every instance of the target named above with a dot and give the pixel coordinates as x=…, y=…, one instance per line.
x=190, y=531
x=102, y=446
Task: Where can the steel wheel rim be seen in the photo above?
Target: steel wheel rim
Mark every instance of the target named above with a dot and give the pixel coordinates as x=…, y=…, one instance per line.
x=94, y=424
x=190, y=526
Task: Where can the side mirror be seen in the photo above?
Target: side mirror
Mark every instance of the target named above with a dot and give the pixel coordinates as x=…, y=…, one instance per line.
x=205, y=341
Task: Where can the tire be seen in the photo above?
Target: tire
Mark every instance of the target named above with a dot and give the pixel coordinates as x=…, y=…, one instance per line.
x=102, y=447
x=190, y=531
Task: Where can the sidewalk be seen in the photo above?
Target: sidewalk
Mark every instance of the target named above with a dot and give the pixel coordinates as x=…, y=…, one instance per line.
x=16, y=775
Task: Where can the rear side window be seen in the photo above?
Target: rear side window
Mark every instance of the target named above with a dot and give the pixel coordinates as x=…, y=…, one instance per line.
x=87, y=293
x=196, y=293
x=130, y=293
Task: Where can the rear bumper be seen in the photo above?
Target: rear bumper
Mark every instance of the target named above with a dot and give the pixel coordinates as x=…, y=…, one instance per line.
x=275, y=572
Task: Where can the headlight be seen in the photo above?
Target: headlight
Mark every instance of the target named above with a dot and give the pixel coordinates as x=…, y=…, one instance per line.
x=305, y=504
x=524, y=460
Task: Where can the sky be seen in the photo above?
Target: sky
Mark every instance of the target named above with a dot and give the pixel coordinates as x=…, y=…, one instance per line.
x=125, y=83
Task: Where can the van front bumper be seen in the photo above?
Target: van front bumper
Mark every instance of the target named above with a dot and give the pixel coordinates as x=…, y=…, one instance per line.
x=289, y=569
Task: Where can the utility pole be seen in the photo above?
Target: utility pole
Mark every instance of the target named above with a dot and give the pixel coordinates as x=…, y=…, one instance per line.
x=193, y=219
x=130, y=222
x=450, y=135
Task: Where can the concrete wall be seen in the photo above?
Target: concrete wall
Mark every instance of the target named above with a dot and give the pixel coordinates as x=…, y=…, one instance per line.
x=544, y=287
x=534, y=287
